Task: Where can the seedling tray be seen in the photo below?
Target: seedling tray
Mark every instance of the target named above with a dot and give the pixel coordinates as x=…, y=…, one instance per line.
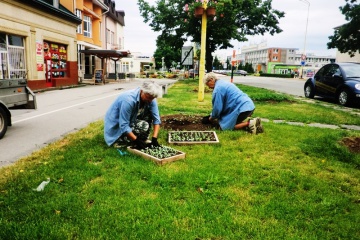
x=177, y=156
x=192, y=137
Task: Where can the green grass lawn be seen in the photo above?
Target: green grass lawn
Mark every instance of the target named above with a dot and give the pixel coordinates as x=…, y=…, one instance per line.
x=291, y=182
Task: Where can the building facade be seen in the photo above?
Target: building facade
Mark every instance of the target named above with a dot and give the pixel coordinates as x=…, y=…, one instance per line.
x=38, y=42
x=281, y=60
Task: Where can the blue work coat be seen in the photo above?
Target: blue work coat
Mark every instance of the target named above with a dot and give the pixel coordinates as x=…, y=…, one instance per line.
x=228, y=101
x=123, y=113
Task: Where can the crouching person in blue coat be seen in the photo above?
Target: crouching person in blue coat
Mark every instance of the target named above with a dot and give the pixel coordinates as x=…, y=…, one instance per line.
x=129, y=119
x=231, y=107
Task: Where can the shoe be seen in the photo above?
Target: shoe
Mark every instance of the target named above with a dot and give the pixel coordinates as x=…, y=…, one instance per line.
x=254, y=124
x=260, y=129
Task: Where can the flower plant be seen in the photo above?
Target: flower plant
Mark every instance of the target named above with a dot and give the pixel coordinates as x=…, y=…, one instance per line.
x=192, y=136
x=160, y=152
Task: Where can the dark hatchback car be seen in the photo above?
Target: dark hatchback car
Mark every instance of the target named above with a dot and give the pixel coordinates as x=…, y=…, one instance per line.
x=340, y=81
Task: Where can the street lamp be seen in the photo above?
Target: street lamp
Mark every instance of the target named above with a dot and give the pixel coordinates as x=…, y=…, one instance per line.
x=303, y=57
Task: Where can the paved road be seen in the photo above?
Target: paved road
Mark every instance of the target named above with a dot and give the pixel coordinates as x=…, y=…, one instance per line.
x=291, y=86
x=59, y=113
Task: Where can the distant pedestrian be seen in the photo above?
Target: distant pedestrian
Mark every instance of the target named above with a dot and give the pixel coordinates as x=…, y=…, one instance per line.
x=232, y=107
x=128, y=120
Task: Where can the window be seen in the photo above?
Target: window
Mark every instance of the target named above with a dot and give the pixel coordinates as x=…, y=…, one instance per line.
x=112, y=38
x=12, y=56
x=56, y=3
x=87, y=26
x=79, y=15
x=107, y=36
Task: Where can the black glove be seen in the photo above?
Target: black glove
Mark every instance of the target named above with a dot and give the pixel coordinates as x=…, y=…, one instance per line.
x=206, y=120
x=154, y=142
x=139, y=144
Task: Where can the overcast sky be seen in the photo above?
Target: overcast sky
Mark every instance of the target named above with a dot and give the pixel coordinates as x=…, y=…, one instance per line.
x=324, y=15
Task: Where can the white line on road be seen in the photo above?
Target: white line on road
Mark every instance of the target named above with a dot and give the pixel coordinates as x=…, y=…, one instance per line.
x=61, y=109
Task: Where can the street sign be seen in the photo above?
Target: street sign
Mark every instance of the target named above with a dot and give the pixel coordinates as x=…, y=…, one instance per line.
x=303, y=57
x=303, y=63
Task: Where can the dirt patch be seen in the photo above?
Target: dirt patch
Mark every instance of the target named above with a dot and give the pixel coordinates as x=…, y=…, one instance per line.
x=183, y=122
x=352, y=143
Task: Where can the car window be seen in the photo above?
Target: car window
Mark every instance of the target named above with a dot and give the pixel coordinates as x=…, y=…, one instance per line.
x=320, y=73
x=352, y=70
x=333, y=69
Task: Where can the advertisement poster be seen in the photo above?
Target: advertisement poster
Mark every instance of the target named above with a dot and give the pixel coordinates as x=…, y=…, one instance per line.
x=39, y=56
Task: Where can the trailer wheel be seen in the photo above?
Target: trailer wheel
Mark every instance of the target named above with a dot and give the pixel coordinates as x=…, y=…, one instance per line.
x=3, y=122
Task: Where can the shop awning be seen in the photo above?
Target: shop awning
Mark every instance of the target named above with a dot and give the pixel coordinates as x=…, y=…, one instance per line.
x=103, y=53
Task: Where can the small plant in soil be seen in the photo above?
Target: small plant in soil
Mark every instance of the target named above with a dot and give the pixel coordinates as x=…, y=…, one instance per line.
x=160, y=152
x=192, y=136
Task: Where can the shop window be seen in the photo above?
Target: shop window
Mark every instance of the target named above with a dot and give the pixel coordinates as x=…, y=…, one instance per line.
x=55, y=56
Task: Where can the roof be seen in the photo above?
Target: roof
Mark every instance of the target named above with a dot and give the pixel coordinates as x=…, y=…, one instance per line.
x=104, y=53
x=46, y=6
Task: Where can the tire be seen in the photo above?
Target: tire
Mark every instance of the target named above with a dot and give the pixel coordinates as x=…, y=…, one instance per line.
x=344, y=97
x=309, y=91
x=3, y=122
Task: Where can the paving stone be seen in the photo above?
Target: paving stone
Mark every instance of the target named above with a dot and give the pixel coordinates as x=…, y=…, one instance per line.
x=265, y=120
x=320, y=125
x=279, y=121
x=296, y=123
x=351, y=127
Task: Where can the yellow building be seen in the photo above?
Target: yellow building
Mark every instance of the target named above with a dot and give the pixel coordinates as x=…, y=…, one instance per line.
x=38, y=42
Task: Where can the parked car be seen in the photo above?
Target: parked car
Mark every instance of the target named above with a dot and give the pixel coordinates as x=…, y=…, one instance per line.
x=241, y=72
x=340, y=81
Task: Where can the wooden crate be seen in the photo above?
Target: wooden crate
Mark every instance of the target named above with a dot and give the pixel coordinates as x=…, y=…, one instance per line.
x=215, y=140
x=180, y=155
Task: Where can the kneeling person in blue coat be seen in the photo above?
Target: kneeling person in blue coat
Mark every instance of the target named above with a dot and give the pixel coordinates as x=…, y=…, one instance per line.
x=129, y=119
x=232, y=107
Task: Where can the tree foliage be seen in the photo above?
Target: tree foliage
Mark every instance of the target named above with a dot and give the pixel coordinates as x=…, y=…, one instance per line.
x=240, y=19
x=346, y=38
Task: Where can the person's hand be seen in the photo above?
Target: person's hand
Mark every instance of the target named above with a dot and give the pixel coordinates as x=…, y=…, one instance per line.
x=206, y=120
x=154, y=142
x=139, y=144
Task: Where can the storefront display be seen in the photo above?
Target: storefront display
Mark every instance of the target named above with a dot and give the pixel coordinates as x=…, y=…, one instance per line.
x=55, y=60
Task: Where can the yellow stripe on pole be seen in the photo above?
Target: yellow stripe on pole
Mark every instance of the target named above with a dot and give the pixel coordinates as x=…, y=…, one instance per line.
x=202, y=55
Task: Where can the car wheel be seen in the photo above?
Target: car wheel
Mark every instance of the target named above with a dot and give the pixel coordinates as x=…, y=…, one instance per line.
x=3, y=122
x=344, y=97
x=309, y=91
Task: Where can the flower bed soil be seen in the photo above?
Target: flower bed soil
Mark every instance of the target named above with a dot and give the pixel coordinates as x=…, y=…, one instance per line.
x=181, y=122
x=192, y=137
x=147, y=154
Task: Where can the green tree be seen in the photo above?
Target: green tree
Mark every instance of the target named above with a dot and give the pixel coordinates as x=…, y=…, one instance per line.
x=240, y=18
x=346, y=38
x=249, y=68
x=167, y=51
x=228, y=64
x=216, y=63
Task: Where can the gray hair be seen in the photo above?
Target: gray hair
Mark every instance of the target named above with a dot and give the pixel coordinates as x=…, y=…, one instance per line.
x=152, y=88
x=210, y=76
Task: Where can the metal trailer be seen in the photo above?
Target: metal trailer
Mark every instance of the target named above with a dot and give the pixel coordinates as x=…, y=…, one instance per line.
x=14, y=94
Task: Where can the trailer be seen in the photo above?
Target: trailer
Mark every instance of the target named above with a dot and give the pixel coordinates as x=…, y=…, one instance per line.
x=14, y=94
